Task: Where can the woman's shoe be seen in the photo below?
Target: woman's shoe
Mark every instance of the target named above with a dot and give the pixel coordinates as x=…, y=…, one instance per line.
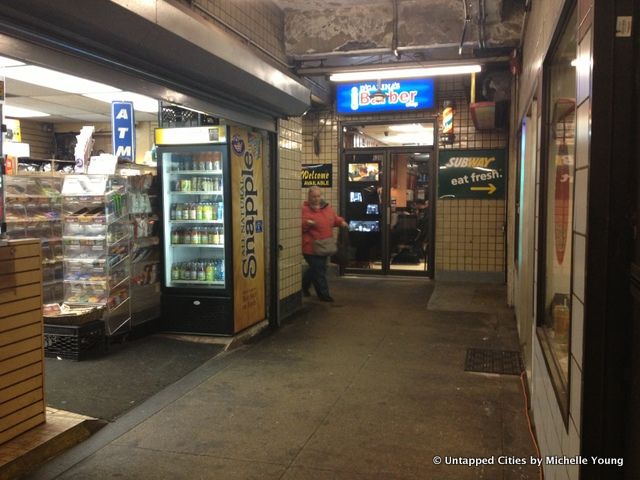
x=306, y=292
x=326, y=298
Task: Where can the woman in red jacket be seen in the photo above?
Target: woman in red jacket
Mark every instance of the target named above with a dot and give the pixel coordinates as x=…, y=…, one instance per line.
x=318, y=220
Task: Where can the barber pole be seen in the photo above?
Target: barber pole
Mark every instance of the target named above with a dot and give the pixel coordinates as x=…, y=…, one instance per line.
x=447, y=123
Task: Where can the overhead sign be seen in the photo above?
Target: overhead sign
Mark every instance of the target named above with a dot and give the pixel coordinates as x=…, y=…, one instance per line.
x=387, y=96
x=471, y=174
x=319, y=175
x=123, y=131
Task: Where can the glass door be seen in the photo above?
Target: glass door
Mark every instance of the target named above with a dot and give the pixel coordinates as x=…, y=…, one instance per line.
x=409, y=227
x=193, y=209
x=364, y=202
x=387, y=205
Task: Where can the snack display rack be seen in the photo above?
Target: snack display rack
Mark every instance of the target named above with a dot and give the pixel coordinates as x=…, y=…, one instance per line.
x=145, y=248
x=96, y=243
x=33, y=209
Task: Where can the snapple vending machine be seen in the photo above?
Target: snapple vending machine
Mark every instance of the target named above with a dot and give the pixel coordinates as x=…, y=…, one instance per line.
x=205, y=212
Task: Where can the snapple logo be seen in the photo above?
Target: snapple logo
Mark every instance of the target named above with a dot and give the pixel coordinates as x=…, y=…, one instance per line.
x=238, y=144
x=248, y=217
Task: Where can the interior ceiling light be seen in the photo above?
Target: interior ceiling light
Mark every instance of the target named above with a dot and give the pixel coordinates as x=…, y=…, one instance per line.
x=56, y=80
x=141, y=103
x=407, y=127
x=17, y=112
x=397, y=73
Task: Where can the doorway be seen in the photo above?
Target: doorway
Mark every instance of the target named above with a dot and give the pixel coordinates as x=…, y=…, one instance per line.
x=387, y=201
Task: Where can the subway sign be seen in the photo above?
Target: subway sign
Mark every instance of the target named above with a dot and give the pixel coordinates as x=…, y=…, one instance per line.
x=397, y=96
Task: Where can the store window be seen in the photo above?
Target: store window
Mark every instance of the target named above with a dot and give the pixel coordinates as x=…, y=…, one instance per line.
x=554, y=314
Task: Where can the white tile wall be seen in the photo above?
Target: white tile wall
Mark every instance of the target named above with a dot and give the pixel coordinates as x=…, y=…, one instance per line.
x=554, y=437
x=290, y=157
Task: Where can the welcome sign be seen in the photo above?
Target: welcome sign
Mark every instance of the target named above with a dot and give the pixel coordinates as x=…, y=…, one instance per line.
x=398, y=95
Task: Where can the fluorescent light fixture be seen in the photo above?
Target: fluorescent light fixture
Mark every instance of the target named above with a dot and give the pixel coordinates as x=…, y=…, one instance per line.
x=9, y=62
x=141, y=103
x=17, y=112
x=56, y=80
x=406, y=127
x=393, y=74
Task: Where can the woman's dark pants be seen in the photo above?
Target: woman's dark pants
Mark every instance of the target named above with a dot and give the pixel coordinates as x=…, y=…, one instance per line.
x=316, y=274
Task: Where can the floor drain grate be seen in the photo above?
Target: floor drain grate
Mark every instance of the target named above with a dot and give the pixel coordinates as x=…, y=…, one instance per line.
x=493, y=361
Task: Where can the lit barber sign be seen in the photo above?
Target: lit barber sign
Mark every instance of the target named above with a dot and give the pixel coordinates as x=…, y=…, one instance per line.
x=385, y=96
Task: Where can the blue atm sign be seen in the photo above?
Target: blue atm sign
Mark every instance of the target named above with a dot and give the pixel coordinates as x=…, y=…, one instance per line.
x=124, y=133
x=399, y=95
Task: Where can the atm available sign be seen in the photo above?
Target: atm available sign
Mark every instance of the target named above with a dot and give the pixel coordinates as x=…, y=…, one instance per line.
x=471, y=174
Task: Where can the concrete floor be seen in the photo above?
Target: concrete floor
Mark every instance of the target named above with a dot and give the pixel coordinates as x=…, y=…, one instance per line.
x=370, y=387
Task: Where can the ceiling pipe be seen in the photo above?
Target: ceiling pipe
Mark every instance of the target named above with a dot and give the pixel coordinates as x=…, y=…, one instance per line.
x=467, y=20
x=373, y=51
x=394, y=40
x=482, y=16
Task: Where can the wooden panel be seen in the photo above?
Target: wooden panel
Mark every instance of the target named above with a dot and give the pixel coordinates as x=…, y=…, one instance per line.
x=21, y=319
x=19, y=265
x=21, y=339
x=18, y=293
x=21, y=306
x=21, y=428
x=18, y=348
x=40, y=141
x=14, y=391
x=24, y=249
x=16, y=363
x=20, y=278
x=21, y=375
x=17, y=334
x=20, y=402
x=21, y=415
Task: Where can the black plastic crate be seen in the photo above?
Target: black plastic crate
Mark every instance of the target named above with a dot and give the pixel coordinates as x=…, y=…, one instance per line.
x=75, y=342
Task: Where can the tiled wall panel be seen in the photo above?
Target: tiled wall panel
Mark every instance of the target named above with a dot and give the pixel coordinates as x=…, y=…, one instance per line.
x=256, y=20
x=290, y=157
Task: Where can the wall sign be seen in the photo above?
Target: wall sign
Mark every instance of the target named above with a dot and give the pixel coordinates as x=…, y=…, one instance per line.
x=399, y=95
x=247, y=201
x=317, y=174
x=471, y=174
x=123, y=131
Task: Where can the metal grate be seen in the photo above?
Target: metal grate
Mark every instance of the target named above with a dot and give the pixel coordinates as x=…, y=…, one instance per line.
x=174, y=116
x=493, y=361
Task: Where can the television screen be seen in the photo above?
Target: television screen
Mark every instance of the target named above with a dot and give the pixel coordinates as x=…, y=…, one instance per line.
x=364, y=172
x=355, y=196
x=364, y=226
x=372, y=209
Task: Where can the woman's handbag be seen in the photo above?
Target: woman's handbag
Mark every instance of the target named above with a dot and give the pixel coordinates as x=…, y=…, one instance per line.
x=325, y=247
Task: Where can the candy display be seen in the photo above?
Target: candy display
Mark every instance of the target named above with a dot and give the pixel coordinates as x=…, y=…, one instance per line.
x=96, y=241
x=33, y=209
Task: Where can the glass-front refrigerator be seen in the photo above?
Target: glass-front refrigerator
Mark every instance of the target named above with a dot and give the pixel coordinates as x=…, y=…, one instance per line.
x=203, y=174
